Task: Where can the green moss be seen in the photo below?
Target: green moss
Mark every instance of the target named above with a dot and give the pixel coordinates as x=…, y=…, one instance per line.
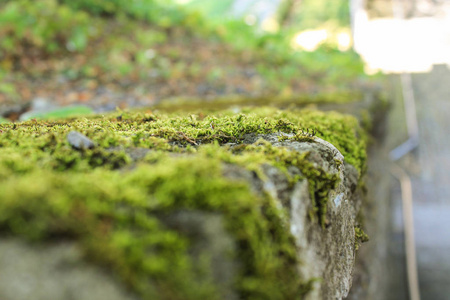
x=360, y=237
x=114, y=216
x=112, y=202
x=320, y=182
x=174, y=131
x=3, y=120
x=183, y=104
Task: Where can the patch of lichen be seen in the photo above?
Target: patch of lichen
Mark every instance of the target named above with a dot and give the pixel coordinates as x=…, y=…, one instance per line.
x=111, y=203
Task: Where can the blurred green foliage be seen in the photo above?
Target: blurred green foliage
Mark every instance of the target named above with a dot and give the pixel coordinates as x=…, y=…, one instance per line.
x=143, y=39
x=282, y=63
x=45, y=25
x=158, y=12
x=316, y=13
x=105, y=8
x=51, y=26
x=3, y=120
x=215, y=10
x=59, y=113
x=327, y=64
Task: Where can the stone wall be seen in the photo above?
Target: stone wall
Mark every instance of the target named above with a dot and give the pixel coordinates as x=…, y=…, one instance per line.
x=299, y=223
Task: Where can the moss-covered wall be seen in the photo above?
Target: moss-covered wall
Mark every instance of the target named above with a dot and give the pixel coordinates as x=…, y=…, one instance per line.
x=114, y=199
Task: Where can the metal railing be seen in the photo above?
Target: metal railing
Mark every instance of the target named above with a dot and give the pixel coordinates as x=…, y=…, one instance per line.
x=402, y=175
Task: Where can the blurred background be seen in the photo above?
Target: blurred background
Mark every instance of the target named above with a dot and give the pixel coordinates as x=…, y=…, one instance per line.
x=60, y=58
x=103, y=54
x=410, y=42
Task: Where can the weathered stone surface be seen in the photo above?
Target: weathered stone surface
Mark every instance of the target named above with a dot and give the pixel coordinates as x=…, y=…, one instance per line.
x=57, y=271
x=326, y=253
x=79, y=140
x=211, y=242
x=54, y=271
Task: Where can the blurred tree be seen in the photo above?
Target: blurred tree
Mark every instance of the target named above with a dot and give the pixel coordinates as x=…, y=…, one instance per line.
x=308, y=14
x=286, y=11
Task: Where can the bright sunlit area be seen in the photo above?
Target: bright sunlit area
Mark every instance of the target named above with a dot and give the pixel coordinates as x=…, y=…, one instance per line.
x=400, y=44
x=310, y=40
x=267, y=16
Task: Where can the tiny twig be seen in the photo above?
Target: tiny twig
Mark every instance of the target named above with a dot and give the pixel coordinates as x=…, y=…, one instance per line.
x=187, y=138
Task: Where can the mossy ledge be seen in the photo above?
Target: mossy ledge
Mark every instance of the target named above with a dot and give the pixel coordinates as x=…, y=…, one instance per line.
x=116, y=199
